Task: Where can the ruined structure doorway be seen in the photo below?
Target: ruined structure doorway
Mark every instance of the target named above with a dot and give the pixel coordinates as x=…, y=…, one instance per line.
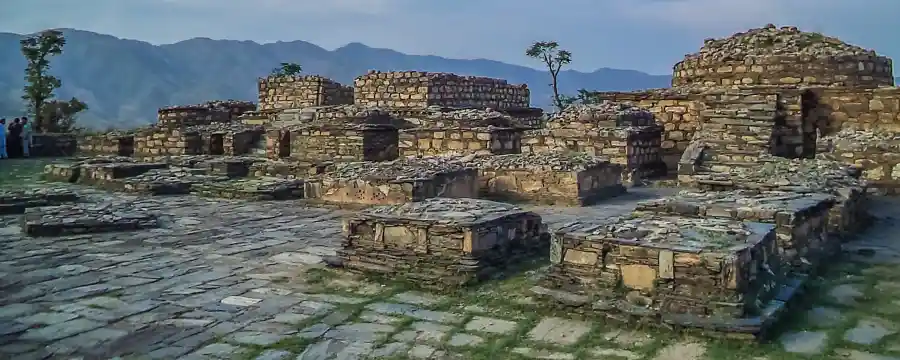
x=809, y=103
x=217, y=144
x=284, y=144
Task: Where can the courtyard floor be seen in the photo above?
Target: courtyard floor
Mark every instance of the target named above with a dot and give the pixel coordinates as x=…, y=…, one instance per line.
x=248, y=280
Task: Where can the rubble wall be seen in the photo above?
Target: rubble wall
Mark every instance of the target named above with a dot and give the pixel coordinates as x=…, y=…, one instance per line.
x=157, y=142
x=415, y=89
x=338, y=144
x=107, y=144
x=862, y=109
x=290, y=92
x=430, y=142
x=202, y=114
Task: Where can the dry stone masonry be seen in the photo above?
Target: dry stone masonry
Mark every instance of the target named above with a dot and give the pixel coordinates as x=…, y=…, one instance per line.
x=203, y=114
x=800, y=219
x=720, y=274
x=548, y=178
x=876, y=152
x=84, y=219
x=442, y=242
x=414, y=89
x=17, y=201
x=394, y=182
x=288, y=92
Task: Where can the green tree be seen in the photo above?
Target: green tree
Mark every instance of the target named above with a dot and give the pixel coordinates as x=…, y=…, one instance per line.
x=554, y=58
x=39, y=84
x=59, y=116
x=287, y=69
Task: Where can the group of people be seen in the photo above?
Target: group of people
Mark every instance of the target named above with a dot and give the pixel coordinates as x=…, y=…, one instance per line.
x=15, y=138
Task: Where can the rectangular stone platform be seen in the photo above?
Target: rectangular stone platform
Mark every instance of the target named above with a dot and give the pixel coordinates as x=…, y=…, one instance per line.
x=106, y=172
x=393, y=182
x=441, y=242
x=17, y=201
x=548, y=178
x=85, y=218
x=70, y=170
x=173, y=181
x=289, y=169
x=718, y=273
x=800, y=219
x=252, y=189
x=846, y=218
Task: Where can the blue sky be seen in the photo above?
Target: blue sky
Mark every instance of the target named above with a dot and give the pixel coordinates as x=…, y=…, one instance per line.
x=646, y=35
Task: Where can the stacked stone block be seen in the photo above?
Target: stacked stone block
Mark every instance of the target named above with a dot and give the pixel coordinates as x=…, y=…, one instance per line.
x=460, y=141
x=686, y=271
x=782, y=56
x=393, y=182
x=17, y=201
x=290, y=92
x=800, y=219
x=877, y=153
x=350, y=141
x=202, y=114
x=440, y=242
x=80, y=219
x=414, y=89
x=548, y=178
x=112, y=143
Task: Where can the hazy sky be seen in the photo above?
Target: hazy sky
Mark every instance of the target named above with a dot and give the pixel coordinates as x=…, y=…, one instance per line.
x=647, y=35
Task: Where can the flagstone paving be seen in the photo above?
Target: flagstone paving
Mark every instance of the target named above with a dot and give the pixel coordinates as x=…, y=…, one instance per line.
x=249, y=280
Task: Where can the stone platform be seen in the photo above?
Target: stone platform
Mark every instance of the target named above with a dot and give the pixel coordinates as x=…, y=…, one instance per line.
x=548, y=178
x=252, y=189
x=172, y=181
x=84, y=219
x=441, y=242
x=393, y=182
x=800, y=219
x=99, y=174
x=70, y=171
x=719, y=274
x=17, y=201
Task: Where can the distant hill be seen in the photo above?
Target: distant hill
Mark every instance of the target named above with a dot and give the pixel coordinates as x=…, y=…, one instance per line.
x=125, y=81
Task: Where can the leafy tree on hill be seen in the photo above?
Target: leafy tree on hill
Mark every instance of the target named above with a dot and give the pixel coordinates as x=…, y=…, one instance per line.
x=287, y=69
x=554, y=58
x=40, y=85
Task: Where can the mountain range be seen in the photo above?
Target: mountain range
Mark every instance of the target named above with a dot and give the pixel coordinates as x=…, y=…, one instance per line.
x=125, y=81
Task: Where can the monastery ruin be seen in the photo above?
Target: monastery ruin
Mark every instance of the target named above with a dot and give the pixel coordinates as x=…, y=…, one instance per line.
x=776, y=137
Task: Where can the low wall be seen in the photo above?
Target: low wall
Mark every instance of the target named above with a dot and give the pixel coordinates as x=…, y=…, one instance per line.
x=328, y=144
x=51, y=144
x=202, y=114
x=290, y=92
x=416, y=89
x=449, y=141
x=120, y=144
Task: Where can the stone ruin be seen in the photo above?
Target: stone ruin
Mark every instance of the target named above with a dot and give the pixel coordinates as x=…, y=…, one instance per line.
x=761, y=127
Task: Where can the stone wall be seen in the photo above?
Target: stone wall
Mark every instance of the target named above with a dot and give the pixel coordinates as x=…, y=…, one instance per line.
x=155, y=142
x=549, y=178
x=636, y=148
x=862, y=109
x=800, y=219
x=460, y=141
x=393, y=182
x=213, y=139
x=657, y=266
x=290, y=92
x=51, y=144
x=203, y=114
x=113, y=143
x=334, y=143
x=429, y=244
x=415, y=89
x=677, y=111
x=782, y=56
x=876, y=152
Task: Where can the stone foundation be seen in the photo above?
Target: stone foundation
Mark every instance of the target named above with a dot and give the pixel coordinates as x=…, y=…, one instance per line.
x=16, y=202
x=548, y=178
x=717, y=274
x=71, y=171
x=252, y=189
x=172, y=181
x=202, y=114
x=414, y=89
x=84, y=219
x=394, y=182
x=460, y=141
x=290, y=92
x=800, y=219
x=326, y=143
x=877, y=153
x=112, y=143
x=106, y=172
x=289, y=169
x=637, y=149
x=214, y=139
x=440, y=243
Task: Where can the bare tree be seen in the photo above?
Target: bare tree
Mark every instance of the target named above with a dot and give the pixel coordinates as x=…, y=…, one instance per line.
x=554, y=58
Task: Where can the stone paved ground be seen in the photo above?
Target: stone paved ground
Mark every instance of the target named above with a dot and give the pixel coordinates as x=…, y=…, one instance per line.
x=240, y=280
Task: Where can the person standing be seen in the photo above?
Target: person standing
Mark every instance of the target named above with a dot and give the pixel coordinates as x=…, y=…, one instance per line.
x=14, y=139
x=3, y=154
x=26, y=137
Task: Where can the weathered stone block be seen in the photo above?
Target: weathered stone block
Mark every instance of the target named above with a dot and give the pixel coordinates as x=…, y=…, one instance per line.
x=460, y=141
x=441, y=242
x=106, y=172
x=416, y=89
x=252, y=189
x=719, y=274
x=289, y=92
x=548, y=178
x=800, y=219
x=85, y=218
x=394, y=182
x=17, y=201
